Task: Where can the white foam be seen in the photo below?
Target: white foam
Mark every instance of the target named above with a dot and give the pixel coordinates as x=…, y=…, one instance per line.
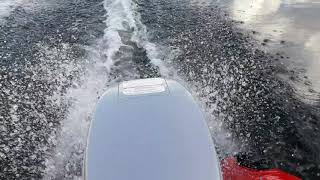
x=118, y=14
x=122, y=12
x=82, y=97
x=153, y=52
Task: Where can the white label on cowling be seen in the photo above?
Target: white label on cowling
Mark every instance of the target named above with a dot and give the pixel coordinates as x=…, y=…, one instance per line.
x=143, y=86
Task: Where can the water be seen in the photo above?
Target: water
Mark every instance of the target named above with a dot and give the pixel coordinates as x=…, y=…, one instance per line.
x=289, y=27
x=7, y=6
x=57, y=58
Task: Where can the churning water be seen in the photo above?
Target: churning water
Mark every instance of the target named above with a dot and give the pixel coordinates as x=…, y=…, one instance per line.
x=57, y=58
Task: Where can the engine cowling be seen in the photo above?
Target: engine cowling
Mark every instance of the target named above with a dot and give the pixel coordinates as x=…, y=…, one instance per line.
x=150, y=129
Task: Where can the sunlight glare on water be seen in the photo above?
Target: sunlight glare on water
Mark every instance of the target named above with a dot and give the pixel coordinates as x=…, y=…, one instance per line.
x=290, y=22
x=6, y=6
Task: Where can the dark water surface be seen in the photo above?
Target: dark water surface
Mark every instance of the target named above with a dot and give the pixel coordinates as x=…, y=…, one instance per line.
x=290, y=27
x=253, y=66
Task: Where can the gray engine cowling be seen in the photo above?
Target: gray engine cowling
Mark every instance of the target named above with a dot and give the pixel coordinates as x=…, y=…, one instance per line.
x=150, y=129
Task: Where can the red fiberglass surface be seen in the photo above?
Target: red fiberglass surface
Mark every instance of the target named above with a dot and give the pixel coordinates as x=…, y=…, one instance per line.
x=232, y=171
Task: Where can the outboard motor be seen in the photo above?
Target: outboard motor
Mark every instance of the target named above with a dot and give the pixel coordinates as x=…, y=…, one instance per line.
x=150, y=129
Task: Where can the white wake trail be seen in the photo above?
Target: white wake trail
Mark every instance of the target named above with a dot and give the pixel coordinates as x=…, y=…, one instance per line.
x=121, y=14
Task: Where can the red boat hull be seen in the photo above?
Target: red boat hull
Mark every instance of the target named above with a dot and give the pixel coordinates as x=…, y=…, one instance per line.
x=232, y=171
